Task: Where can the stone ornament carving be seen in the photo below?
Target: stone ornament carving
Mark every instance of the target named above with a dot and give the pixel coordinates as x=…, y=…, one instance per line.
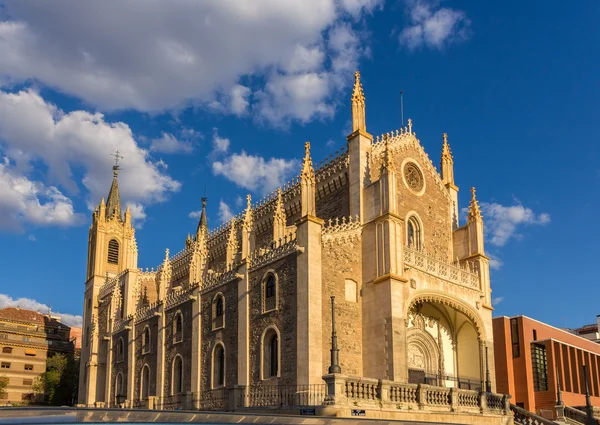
x=413, y=177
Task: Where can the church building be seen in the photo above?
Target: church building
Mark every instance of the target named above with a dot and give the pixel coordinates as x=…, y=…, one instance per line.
x=248, y=304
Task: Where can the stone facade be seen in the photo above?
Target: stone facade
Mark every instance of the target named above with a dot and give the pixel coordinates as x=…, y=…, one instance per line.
x=248, y=305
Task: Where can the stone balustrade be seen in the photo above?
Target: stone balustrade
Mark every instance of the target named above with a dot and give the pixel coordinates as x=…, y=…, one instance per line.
x=426, y=263
x=354, y=391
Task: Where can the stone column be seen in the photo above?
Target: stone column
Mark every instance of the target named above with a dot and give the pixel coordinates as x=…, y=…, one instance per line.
x=160, y=354
x=196, y=341
x=309, y=305
x=131, y=356
x=243, y=340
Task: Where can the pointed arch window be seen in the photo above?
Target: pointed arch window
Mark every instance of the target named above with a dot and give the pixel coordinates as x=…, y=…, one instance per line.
x=119, y=389
x=414, y=233
x=113, y=251
x=271, y=355
x=145, y=383
x=219, y=366
x=218, y=311
x=177, y=387
x=120, y=350
x=269, y=291
x=146, y=340
x=178, y=328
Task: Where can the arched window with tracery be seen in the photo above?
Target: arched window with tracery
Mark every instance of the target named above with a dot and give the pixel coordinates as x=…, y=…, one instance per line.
x=177, y=386
x=119, y=389
x=219, y=366
x=218, y=311
x=414, y=235
x=146, y=340
x=145, y=383
x=178, y=328
x=113, y=251
x=270, y=360
x=120, y=350
x=269, y=292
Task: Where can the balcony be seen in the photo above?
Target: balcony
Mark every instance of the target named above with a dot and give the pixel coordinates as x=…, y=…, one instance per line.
x=426, y=263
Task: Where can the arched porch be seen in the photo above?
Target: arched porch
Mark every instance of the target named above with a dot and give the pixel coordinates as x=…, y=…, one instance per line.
x=445, y=345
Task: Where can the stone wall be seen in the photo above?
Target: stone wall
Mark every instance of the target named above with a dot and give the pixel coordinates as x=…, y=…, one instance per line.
x=227, y=335
x=264, y=235
x=183, y=348
x=283, y=317
x=119, y=366
x=432, y=207
x=341, y=264
x=150, y=358
x=333, y=203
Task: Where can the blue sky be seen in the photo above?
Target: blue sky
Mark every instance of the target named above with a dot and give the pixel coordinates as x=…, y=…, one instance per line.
x=221, y=95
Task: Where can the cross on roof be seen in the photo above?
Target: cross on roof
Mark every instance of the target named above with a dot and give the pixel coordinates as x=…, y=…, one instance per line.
x=117, y=157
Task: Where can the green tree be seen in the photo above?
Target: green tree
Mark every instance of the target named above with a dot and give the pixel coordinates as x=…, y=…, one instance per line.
x=58, y=385
x=3, y=385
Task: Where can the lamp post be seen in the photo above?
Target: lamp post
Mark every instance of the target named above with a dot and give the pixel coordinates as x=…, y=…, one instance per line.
x=488, y=381
x=589, y=410
x=559, y=401
x=334, y=367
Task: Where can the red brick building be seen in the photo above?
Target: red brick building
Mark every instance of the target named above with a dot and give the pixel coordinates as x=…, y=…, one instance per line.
x=528, y=355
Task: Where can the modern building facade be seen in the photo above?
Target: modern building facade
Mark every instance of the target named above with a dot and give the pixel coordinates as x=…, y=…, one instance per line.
x=532, y=358
x=591, y=331
x=27, y=338
x=247, y=305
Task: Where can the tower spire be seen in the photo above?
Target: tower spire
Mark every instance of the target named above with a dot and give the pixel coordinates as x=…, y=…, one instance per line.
x=203, y=223
x=447, y=162
x=307, y=184
x=113, y=202
x=474, y=210
x=358, y=105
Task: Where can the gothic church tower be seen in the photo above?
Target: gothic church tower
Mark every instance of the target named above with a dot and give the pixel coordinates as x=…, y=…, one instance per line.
x=111, y=250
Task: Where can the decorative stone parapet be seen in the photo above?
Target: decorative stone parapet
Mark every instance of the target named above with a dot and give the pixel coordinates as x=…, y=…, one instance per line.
x=351, y=391
x=426, y=263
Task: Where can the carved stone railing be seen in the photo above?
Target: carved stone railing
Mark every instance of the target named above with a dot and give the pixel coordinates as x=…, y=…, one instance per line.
x=178, y=296
x=350, y=391
x=426, y=263
x=122, y=324
x=262, y=257
x=214, y=280
x=525, y=417
x=147, y=311
x=361, y=388
x=108, y=287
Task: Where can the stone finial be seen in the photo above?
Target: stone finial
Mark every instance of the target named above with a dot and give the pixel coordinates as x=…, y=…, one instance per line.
x=308, y=171
x=474, y=210
x=358, y=95
x=446, y=152
x=358, y=105
x=410, y=126
x=248, y=222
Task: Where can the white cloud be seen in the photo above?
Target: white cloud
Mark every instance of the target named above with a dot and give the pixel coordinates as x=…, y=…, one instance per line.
x=33, y=132
x=23, y=201
x=184, y=52
x=32, y=238
x=239, y=201
x=497, y=300
x=73, y=320
x=432, y=26
x=254, y=172
x=195, y=214
x=220, y=144
x=167, y=143
x=495, y=262
x=502, y=221
x=225, y=213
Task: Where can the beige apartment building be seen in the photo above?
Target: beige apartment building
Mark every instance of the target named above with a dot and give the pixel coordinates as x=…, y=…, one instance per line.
x=248, y=304
x=26, y=339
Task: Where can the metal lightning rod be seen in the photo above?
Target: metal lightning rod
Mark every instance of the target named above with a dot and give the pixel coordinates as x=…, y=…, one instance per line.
x=402, y=108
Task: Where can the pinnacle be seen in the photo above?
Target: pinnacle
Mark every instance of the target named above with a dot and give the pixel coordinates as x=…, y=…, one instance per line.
x=446, y=152
x=474, y=210
x=307, y=165
x=357, y=93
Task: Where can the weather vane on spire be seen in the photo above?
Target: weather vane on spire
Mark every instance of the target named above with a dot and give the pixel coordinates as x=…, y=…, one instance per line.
x=117, y=158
